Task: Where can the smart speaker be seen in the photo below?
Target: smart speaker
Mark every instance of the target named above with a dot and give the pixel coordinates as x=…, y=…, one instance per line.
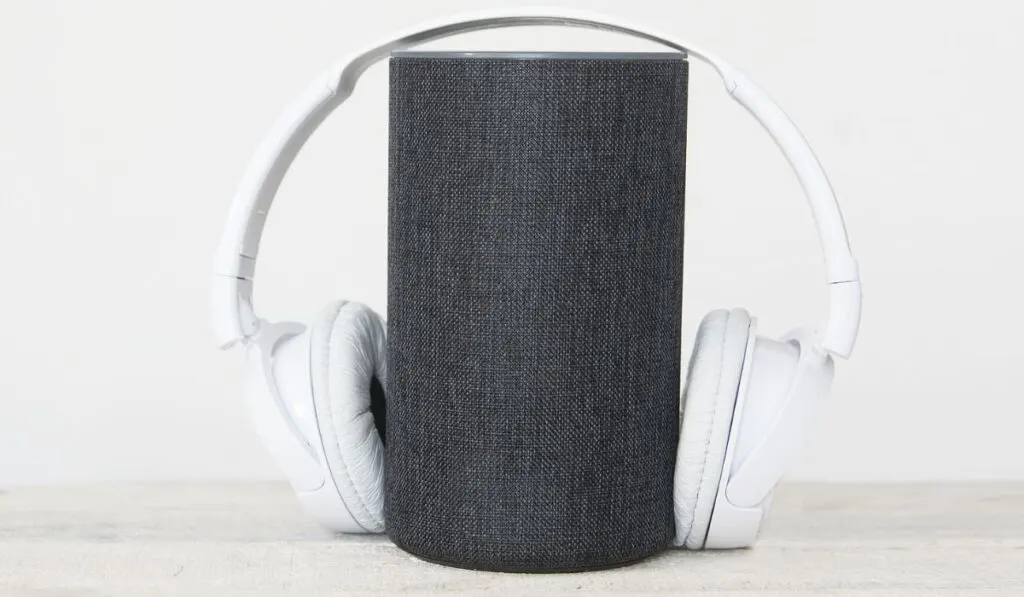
x=535, y=245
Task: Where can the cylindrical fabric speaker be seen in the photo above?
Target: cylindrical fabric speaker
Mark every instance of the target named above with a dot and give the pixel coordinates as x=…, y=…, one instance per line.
x=535, y=223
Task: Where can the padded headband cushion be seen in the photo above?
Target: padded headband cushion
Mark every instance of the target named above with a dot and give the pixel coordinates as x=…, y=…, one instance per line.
x=347, y=351
x=709, y=396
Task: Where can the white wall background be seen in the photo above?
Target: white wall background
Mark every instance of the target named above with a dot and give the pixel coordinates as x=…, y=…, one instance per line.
x=125, y=125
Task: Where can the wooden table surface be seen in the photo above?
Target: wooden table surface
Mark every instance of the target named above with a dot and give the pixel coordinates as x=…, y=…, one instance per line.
x=251, y=539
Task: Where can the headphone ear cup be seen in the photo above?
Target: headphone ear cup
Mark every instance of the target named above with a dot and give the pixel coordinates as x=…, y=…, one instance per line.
x=709, y=397
x=347, y=356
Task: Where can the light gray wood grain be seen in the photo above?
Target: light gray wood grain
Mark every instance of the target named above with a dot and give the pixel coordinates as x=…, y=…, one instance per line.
x=252, y=539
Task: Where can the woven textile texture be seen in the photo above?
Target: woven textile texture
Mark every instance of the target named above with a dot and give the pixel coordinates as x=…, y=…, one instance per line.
x=535, y=225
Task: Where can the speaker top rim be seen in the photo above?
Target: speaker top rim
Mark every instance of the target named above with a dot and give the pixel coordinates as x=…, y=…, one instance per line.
x=521, y=55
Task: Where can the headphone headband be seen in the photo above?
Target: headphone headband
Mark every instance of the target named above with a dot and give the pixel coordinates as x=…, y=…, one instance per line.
x=235, y=261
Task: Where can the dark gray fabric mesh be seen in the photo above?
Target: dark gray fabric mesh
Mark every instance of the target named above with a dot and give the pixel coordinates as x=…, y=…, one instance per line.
x=534, y=294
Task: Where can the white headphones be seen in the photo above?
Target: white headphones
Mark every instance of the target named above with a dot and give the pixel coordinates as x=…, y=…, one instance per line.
x=748, y=402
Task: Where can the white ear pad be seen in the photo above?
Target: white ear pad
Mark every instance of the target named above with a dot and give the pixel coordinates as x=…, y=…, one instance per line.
x=347, y=350
x=709, y=396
